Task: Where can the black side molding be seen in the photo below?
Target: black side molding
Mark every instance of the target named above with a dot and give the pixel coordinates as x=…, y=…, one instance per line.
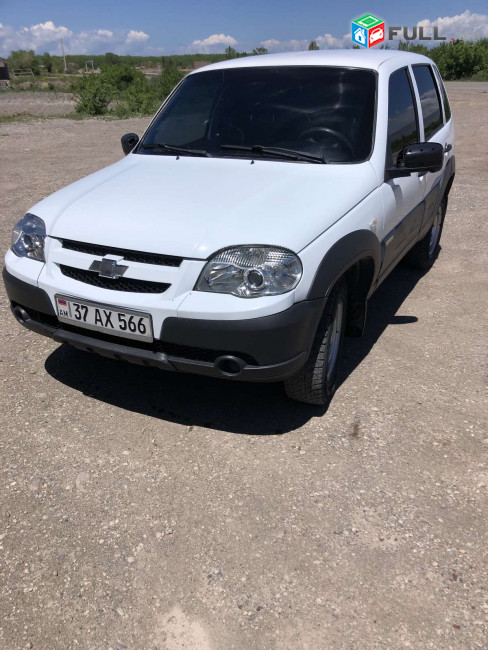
x=353, y=247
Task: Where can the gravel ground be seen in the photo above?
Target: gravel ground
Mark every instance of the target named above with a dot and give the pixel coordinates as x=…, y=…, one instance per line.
x=141, y=510
x=42, y=104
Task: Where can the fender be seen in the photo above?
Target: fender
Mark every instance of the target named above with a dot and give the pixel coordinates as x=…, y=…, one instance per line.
x=347, y=251
x=359, y=246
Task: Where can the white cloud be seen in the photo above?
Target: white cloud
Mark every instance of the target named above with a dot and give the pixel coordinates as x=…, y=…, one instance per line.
x=213, y=43
x=104, y=32
x=270, y=43
x=325, y=41
x=217, y=39
x=46, y=32
x=292, y=45
x=35, y=37
x=465, y=25
x=45, y=37
x=136, y=37
x=95, y=35
x=329, y=42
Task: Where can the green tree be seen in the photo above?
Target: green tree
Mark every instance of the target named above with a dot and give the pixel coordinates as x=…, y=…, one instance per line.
x=47, y=62
x=24, y=60
x=260, y=50
x=93, y=94
x=313, y=45
x=461, y=59
x=112, y=59
x=417, y=48
x=231, y=53
x=170, y=76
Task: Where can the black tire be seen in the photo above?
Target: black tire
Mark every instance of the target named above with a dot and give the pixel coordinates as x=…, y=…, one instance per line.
x=315, y=383
x=425, y=251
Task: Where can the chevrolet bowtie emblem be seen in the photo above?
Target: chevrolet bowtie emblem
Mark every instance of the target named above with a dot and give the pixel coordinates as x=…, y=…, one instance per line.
x=108, y=268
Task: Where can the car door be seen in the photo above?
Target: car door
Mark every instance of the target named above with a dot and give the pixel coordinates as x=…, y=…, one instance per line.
x=402, y=197
x=435, y=129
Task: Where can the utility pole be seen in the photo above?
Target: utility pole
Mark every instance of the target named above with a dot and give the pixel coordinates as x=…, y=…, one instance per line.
x=64, y=57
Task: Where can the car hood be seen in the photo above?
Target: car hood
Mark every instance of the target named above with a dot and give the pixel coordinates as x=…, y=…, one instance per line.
x=192, y=207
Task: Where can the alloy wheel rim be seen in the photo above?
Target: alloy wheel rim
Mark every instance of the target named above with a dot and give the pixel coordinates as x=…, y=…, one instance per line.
x=335, y=339
x=435, y=231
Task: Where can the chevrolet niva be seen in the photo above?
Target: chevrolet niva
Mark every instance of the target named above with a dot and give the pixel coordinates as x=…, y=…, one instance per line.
x=243, y=234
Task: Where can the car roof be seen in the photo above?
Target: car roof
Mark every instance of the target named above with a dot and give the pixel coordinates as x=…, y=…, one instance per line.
x=369, y=59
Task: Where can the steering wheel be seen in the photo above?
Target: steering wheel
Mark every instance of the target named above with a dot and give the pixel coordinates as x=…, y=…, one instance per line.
x=326, y=129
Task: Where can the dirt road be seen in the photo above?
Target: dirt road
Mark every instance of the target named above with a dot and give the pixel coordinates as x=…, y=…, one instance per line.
x=143, y=510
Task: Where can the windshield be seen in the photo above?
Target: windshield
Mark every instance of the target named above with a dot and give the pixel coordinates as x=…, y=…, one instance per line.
x=324, y=111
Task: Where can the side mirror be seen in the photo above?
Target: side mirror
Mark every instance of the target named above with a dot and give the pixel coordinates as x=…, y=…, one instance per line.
x=128, y=142
x=419, y=157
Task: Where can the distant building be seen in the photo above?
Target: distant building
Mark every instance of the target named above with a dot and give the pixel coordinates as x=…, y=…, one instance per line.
x=4, y=75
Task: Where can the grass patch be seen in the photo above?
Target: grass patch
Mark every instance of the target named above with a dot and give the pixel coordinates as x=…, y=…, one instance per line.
x=28, y=117
x=19, y=117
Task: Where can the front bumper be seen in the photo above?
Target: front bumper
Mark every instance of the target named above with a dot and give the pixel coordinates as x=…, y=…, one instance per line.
x=266, y=349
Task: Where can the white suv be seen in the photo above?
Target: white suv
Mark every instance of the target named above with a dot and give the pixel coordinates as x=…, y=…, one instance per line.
x=244, y=232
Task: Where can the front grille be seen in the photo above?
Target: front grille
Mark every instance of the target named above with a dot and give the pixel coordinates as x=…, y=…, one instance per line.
x=130, y=256
x=115, y=284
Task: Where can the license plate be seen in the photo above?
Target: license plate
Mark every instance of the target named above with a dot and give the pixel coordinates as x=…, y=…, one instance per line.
x=105, y=318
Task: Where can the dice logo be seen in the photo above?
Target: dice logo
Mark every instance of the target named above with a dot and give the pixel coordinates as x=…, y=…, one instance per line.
x=368, y=31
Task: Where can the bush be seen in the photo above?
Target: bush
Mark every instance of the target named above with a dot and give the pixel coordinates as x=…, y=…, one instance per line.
x=140, y=98
x=168, y=79
x=93, y=94
x=121, y=111
x=121, y=76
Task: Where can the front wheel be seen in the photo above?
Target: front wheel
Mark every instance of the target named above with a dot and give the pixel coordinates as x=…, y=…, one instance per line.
x=315, y=383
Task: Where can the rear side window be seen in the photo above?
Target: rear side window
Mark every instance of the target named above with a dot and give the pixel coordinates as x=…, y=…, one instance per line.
x=429, y=98
x=447, y=107
x=402, y=116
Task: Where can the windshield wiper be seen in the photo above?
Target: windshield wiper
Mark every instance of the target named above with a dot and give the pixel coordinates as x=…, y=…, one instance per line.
x=276, y=151
x=172, y=148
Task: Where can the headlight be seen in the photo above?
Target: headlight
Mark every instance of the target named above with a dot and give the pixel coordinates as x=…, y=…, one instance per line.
x=251, y=271
x=28, y=238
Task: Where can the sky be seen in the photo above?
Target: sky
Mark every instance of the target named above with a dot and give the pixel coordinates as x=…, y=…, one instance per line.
x=189, y=26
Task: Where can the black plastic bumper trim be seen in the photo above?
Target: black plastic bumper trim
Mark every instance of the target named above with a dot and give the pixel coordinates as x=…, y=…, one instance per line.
x=121, y=352
x=27, y=294
x=287, y=332
x=270, y=340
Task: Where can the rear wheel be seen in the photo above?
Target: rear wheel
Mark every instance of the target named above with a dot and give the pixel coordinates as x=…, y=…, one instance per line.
x=425, y=251
x=315, y=383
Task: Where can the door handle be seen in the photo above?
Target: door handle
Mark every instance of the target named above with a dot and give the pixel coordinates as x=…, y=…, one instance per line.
x=447, y=147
